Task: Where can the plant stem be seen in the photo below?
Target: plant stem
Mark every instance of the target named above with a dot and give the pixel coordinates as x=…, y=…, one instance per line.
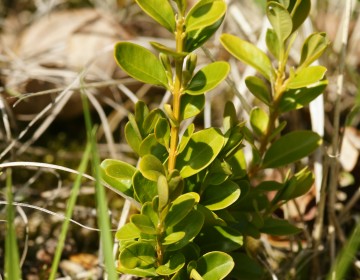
x=178, y=88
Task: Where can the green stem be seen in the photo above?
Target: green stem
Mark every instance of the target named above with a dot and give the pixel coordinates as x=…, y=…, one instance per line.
x=177, y=91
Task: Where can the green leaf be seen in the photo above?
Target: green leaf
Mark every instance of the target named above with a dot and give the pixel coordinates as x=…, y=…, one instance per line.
x=298, y=185
x=215, y=265
x=159, y=10
x=132, y=137
x=268, y=186
x=211, y=219
x=248, y=53
x=280, y=20
x=221, y=238
x=176, y=184
x=190, y=225
x=272, y=43
x=279, y=227
x=220, y=196
x=291, y=148
x=186, y=137
x=307, y=77
x=151, y=167
x=144, y=189
x=162, y=132
x=163, y=192
x=182, y=4
x=294, y=99
x=180, y=208
x=198, y=37
x=118, y=174
x=259, y=121
x=128, y=231
x=140, y=63
x=148, y=123
x=166, y=50
x=149, y=209
x=138, y=255
x=140, y=272
x=143, y=223
x=150, y=145
x=174, y=264
x=208, y=77
x=200, y=151
x=173, y=238
x=258, y=88
x=301, y=13
x=313, y=47
x=141, y=115
x=191, y=105
x=204, y=14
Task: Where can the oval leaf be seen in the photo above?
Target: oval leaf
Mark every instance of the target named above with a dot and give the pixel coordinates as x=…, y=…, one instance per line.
x=174, y=264
x=258, y=88
x=215, y=265
x=118, y=174
x=291, y=147
x=137, y=255
x=259, y=121
x=159, y=10
x=273, y=43
x=143, y=223
x=140, y=63
x=191, y=105
x=280, y=20
x=204, y=14
x=248, y=53
x=151, y=167
x=128, y=231
x=301, y=13
x=145, y=189
x=279, y=227
x=307, y=77
x=313, y=48
x=208, y=77
x=220, y=196
x=200, y=151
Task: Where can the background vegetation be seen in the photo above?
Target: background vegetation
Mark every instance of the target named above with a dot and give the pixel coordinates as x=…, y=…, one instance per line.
x=50, y=51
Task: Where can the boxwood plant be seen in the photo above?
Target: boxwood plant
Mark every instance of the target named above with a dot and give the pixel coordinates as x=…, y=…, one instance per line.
x=197, y=196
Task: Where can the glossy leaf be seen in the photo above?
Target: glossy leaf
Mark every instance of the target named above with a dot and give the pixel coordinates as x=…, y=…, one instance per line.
x=118, y=174
x=211, y=219
x=220, y=196
x=190, y=225
x=280, y=20
x=140, y=272
x=279, y=227
x=258, y=88
x=259, y=121
x=151, y=167
x=180, y=208
x=145, y=189
x=307, y=77
x=208, y=77
x=198, y=37
x=215, y=265
x=174, y=264
x=150, y=145
x=150, y=210
x=140, y=63
x=173, y=238
x=248, y=53
x=273, y=43
x=128, y=231
x=166, y=50
x=143, y=223
x=149, y=121
x=162, y=132
x=176, y=184
x=291, y=147
x=222, y=238
x=204, y=14
x=163, y=192
x=298, y=185
x=159, y=10
x=247, y=267
x=200, y=151
x=132, y=137
x=141, y=114
x=191, y=105
x=301, y=13
x=268, y=186
x=138, y=255
x=313, y=47
x=293, y=99
x=186, y=137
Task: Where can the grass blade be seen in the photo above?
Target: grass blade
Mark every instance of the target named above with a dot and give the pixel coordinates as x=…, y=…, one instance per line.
x=12, y=262
x=102, y=209
x=69, y=210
